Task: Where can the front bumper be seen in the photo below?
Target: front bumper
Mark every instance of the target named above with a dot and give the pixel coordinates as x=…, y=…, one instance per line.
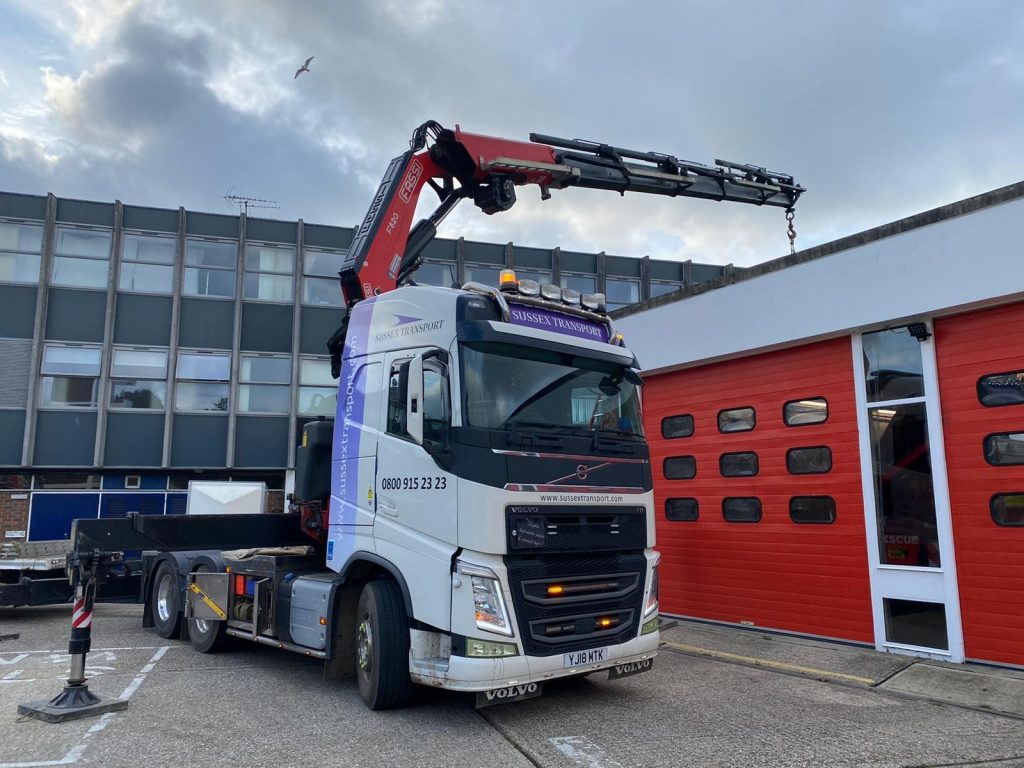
x=474, y=675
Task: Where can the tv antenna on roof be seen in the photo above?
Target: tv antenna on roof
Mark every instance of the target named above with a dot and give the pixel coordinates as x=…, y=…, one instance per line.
x=245, y=203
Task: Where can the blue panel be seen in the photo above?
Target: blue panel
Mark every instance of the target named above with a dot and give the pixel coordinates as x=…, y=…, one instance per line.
x=147, y=482
x=177, y=503
x=120, y=504
x=52, y=513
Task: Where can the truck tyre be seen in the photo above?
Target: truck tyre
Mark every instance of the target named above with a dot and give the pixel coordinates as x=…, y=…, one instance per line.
x=207, y=635
x=165, y=601
x=382, y=646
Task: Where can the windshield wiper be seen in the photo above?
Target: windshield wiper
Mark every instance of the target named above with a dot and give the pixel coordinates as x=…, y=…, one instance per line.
x=517, y=423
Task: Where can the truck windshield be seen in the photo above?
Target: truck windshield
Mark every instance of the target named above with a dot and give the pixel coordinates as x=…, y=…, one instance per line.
x=510, y=386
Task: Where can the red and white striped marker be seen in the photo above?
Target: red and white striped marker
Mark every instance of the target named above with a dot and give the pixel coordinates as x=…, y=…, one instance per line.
x=81, y=617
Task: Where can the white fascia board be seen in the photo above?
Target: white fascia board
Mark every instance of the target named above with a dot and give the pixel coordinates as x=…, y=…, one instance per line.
x=970, y=261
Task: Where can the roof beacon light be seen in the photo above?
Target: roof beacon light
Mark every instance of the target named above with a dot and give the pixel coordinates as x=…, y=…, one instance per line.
x=593, y=301
x=529, y=287
x=571, y=297
x=507, y=280
x=551, y=292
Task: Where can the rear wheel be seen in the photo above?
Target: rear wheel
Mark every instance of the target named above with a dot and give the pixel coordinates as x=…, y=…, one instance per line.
x=382, y=646
x=207, y=635
x=165, y=602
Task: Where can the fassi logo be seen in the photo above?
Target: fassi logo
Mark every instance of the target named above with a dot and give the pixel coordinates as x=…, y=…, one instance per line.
x=412, y=179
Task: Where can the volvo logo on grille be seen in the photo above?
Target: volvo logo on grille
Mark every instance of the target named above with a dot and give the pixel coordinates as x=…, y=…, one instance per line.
x=581, y=471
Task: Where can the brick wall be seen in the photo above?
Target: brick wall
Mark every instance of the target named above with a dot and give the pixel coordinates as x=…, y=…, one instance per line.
x=13, y=512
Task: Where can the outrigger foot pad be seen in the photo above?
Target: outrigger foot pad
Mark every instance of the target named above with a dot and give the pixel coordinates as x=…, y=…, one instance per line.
x=74, y=702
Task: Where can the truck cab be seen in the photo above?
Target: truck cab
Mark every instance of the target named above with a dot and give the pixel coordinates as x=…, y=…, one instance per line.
x=488, y=450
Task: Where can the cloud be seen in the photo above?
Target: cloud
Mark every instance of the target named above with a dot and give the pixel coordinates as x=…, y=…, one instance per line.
x=880, y=110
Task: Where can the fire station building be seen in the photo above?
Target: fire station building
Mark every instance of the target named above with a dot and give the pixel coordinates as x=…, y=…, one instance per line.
x=837, y=437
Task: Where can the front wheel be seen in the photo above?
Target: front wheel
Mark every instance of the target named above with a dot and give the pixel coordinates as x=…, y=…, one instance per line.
x=207, y=635
x=382, y=646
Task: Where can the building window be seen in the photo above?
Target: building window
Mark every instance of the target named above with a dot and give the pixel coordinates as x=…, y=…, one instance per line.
x=20, y=246
x=210, y=268
x=892, y=366
x=741, y=510
x=1005, y=449
x=541, y=276
x=202, y=382
x=138, y=379
x=816, y=460
x=812, y=510
x=268, y=272
x=486, y=275
x=147, y=263
x=682, y=510
x=69, y=376
x=318, y=390
x=1001, y=389
x=264, y=384
x=68, y=481
x=15, y=482
x=429, y=273
x=675, y=427
x=1007, y=509
x=81, y=257
x=663, y=289
x=737, y=420
x=680, y=467
x=621, y=293
x=320, y=283
x=582, y=283
x=798, y=413
x=743, y=464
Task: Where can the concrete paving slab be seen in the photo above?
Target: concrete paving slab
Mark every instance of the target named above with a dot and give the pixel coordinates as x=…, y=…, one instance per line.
x=785, y=653
x=973, y=687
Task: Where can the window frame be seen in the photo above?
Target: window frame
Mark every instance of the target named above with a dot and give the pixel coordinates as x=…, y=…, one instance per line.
x=830, y=499
x=828, y=411
x=977, y=389
x=308, y=274
x=186, y=266
x=831, y=459
x=992, y=509
x=757, y=464
x=247, y=381
x=613, y=305
x=667, y=459
x=760, y=509
x=696, y=509
x=36, y=255
x=307, y=387
x=985, y=452
x=693, y=426
x=751, y=428
x=147, y=262
x=246, y=271
x=44, y=376
x=58, y=254
x=116, y=378
x=178, y=380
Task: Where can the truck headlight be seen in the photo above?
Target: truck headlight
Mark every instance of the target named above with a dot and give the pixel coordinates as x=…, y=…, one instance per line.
x=488, y=601
x=652, y=596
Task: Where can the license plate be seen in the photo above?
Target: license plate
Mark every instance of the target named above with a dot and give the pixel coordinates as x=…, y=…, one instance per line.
x=583, y=658
x=629, y=668
x=510, y=693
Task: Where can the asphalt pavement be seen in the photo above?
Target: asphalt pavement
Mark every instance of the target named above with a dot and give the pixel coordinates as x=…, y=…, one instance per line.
x=716, y=697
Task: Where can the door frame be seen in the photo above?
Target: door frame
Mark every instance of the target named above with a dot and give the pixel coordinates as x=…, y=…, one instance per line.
x=903, y=582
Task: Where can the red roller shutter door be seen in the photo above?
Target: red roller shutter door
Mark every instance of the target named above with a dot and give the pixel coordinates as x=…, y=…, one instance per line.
x=774, y=573
x=990, y=557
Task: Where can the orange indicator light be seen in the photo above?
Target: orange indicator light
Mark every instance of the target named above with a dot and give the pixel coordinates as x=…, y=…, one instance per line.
x=555, y=590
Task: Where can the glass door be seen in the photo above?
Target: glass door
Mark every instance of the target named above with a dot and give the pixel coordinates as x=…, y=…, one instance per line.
x=906, y=500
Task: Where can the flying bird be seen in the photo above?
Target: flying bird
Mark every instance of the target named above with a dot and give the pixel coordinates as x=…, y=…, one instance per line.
x=303, y=68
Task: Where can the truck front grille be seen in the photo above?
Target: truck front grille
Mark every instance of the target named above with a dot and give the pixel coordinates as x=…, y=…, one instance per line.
x=576, y=602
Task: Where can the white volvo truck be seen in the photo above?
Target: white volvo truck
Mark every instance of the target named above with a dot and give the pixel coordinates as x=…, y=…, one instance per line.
x=479, y=516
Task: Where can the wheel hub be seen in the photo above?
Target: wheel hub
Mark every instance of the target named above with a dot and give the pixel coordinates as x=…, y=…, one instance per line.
x=364, y=646
x=163, y=598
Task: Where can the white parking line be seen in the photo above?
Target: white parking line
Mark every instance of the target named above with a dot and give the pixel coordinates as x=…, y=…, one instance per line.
x=75, y=753
x=580, y=750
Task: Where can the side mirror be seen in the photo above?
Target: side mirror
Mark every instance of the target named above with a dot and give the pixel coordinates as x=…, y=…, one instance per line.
x=414, y=400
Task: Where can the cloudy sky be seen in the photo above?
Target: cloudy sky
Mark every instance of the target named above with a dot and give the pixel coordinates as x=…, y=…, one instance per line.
x=881, y=108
